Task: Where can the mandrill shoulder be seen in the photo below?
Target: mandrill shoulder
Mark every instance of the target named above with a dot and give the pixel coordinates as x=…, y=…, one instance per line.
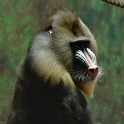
x=42, y=60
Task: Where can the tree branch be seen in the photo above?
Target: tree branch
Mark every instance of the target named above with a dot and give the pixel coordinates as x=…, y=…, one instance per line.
x=119, y=3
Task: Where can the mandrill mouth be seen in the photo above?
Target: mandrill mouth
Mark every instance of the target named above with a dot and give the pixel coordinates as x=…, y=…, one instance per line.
x=85, y=82
x=83, y=76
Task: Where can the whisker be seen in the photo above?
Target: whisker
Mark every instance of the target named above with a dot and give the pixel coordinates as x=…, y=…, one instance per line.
x=100, y=74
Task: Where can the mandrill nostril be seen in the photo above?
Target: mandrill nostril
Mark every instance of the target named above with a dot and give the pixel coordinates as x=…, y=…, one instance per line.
x=93, y=71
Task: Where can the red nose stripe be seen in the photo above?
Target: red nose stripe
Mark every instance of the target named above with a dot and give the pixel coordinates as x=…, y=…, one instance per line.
x=93, y=69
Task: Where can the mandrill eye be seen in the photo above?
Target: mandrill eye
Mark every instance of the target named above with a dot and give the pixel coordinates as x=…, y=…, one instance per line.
x=86, y=44
x=75, y=46
x=80, y=44
x=92, y=55
x=49, y=29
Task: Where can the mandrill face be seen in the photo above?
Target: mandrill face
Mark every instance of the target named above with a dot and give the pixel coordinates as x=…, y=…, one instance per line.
x=67, y=53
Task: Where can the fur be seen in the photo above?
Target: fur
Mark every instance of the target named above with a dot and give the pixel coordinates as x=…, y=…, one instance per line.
x=45, y=92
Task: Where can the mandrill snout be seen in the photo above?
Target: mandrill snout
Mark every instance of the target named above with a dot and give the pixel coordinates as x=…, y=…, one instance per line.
x=93, y=71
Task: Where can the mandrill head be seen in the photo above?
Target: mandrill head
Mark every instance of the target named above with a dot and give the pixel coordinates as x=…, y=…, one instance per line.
x=66, y=52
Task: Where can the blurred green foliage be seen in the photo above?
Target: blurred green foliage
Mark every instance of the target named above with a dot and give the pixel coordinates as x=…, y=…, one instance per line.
x=107, y=24
x=16, y=30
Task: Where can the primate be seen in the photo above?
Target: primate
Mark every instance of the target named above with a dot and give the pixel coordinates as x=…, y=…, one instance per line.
x=59, y=70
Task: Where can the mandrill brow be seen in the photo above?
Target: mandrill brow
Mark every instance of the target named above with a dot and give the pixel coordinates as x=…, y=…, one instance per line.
x=59, y=70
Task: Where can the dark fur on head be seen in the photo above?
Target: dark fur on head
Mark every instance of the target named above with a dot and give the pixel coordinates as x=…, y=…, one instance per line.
x=45, y=91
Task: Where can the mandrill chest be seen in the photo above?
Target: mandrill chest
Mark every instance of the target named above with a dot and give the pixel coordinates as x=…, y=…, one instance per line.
x=59, y=105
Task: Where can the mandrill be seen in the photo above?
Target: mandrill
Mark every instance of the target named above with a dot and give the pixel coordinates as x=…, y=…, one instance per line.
x=59, y=70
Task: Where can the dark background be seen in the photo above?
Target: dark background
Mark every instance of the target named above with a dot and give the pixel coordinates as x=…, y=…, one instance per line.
x=20, y=20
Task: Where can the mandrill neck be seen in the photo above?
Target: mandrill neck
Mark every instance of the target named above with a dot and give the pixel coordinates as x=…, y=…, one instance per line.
x=44, y=103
